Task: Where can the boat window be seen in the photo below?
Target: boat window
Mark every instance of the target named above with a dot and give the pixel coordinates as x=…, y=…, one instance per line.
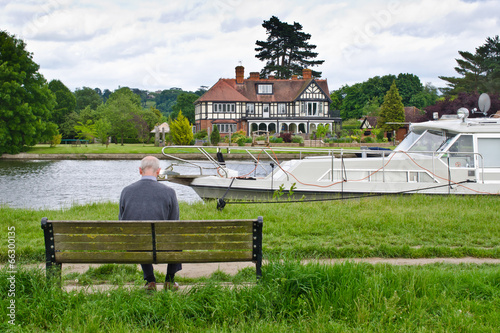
x=429, y=141
x=460, y=154
x=488, y=148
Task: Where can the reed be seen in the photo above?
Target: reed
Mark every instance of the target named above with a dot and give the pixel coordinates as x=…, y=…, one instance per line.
x=414, y=226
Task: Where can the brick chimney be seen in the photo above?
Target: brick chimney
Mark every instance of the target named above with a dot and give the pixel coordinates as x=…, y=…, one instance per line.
x=295, y=77
x=306, y=74
x=254, y=75
x=240, y=73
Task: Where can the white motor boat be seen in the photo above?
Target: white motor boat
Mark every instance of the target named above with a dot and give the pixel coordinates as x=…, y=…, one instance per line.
x=457, y=155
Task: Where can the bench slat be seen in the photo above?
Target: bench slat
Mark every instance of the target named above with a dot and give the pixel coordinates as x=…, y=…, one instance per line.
x=80, y=228
x=104, y=238
x=200, y=229
x=172, y=239
x=203, y=256
x=94, y=246
x=105, y=257
x=204, y=246
x=147, y=257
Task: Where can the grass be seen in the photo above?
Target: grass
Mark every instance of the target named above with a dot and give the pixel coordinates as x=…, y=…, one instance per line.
x=414, y=226
x=292, y=297
x=131, y=149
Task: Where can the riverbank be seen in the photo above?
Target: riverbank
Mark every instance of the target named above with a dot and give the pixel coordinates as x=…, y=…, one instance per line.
x=26, y=156
x=138, y=151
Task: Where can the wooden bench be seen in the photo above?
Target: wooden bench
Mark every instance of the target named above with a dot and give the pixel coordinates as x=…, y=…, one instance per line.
x=151, y=242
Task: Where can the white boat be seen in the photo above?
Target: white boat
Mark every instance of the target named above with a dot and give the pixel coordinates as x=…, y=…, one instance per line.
x=447, y=156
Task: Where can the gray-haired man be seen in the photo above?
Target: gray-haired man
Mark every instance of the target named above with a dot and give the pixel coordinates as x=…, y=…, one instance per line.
x=147, y=199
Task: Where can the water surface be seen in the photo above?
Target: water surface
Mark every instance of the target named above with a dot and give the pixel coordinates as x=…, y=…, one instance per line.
x=61, y=184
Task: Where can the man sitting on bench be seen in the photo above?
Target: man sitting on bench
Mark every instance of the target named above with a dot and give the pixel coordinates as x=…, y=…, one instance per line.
x=150, y=200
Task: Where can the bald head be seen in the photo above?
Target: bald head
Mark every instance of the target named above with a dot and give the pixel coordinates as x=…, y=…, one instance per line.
x=150, y=166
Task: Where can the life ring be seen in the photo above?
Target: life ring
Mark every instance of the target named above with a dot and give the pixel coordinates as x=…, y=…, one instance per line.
x=458, y=164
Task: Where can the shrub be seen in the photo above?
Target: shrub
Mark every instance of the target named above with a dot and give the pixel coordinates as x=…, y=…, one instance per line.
x=276, y=140
x=368, y=139
x=287, y=137
x=241, y=141
x=201, y=135
x=56, y=139
x=297, y=139
x=215, y=136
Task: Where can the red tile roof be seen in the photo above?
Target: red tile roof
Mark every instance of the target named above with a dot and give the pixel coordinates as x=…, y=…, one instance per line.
x=283, y=90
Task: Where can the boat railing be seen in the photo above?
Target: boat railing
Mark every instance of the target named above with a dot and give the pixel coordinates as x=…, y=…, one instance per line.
x=341, y=153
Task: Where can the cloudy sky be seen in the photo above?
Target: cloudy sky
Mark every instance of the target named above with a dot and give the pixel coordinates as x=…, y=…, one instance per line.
x=156, y=45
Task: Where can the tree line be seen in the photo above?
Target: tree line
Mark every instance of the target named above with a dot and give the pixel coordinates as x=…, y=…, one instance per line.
x=33, y=110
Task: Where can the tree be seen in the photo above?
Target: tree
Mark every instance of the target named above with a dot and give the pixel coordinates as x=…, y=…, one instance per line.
x=87, y=97
x=286, y=51
x=185, y=101
x=215, y=136
x=408, y=85
x=479, y=71
x=449, y=105
x=392, y=110
x=86, y=131
x=166, y=99
x=65, y=101
x=428, y=96
x=181, y=131
x=26, y=101
x=102, y=129
x=119, y=112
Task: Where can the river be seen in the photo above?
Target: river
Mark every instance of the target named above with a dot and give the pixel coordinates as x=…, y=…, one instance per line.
x=61, y=184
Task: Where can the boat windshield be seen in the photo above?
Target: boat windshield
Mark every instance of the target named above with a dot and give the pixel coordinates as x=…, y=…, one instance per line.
x=430, y=141
x=408, y=141
x=425, y=141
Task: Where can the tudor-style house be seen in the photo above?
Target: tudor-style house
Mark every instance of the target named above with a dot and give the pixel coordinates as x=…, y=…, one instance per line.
x=297, y=105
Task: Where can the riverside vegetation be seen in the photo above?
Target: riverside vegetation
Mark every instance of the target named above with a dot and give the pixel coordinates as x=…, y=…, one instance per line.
x=291, y=296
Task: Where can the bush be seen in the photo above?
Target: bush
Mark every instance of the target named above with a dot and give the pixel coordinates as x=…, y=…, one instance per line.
x=241, y=141
x=297, y=139
x=368, y=139
x=215, y=136
x=287, y=137
x=56, y=139
x=276, y=140
x=201, y=135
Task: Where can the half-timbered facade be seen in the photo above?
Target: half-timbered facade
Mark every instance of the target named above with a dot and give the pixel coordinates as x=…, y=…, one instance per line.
x=297, y=105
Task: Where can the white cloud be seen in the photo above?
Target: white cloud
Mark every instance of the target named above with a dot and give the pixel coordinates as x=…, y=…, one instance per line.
x=157, y=45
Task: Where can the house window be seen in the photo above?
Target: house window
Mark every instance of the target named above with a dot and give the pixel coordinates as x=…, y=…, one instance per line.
x=250, y=108
x=224, y=107
x=312, y=108
x=265, y=89
x=281, y=108
x=226, y=128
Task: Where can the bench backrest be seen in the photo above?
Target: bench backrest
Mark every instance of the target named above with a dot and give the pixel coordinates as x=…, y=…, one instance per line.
x=153, y=241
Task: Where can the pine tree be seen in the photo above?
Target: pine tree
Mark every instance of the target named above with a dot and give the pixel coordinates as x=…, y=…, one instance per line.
x=392, y=110
x=480, y=71
x=286, y=50
x=215, y=136
x=181, y=131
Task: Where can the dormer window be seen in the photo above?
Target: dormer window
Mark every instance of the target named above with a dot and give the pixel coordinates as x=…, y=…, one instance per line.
x=265, y=89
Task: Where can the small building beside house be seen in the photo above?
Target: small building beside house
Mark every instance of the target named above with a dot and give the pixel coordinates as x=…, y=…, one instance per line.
x=297, y=105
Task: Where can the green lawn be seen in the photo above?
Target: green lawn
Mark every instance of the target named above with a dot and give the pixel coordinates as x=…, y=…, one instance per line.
x=399, y=226
x=132, y=149
x=295, y=297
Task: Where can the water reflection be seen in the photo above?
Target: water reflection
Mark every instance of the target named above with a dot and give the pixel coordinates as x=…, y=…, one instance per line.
x=59, y=184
